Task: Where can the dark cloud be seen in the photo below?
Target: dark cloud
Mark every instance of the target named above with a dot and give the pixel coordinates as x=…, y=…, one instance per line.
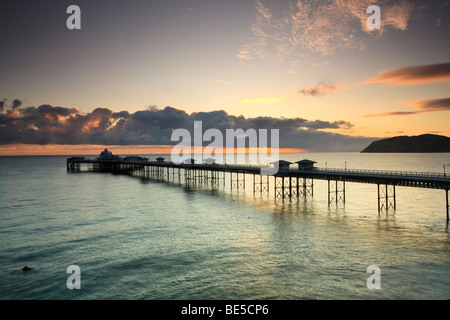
x=16, y=103
x=48, y=124
x=421, y=106
x=121, y=114
x=433, y=105
x=2, y=105
x=414, y=75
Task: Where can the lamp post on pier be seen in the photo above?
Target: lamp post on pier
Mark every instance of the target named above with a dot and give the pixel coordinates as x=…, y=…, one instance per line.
x=444, y=169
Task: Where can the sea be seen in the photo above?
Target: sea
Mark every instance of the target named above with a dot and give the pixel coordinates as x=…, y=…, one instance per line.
x=141, y=239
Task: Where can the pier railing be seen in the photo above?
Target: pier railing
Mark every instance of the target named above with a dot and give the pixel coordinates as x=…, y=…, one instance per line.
x=390, y=173
x=414, y=174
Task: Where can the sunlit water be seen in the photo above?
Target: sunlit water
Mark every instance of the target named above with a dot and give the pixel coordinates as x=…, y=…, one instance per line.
x=142, y=239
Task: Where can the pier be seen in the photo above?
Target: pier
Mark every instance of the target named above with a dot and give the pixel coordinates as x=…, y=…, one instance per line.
x=290, y=181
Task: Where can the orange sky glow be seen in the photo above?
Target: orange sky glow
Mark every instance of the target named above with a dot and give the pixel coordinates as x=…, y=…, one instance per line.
x=89, y=150
x=312, y=69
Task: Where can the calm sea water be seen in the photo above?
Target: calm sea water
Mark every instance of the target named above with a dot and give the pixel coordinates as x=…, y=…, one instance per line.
x=142, y=239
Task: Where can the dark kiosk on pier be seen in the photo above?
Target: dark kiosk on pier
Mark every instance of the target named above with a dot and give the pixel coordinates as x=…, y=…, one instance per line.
x=306, y=164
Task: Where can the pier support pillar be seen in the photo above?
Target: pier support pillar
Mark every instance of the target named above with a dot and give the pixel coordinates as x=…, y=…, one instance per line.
x=260, y=183
x=280, y=185
x=386, y=197
x=283, y=187
x=189, y=176
x=237, y=180
x=336, y=191
x=307, y=187
x=447, y=206
x=219, y=178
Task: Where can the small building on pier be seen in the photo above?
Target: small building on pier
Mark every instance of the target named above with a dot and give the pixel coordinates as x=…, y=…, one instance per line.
x=189, y=161
x=106, y=155
x=210, y=161
x=306, y=165
x=160, y=159
x=283, y=165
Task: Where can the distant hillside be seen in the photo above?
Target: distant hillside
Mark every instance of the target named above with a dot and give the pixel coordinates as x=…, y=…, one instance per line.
x=422, y=143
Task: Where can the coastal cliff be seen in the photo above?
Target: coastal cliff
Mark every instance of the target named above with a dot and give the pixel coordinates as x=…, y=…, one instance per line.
x=414, y=144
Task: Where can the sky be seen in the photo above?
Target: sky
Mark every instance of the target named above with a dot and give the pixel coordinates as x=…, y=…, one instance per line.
x=138, y=70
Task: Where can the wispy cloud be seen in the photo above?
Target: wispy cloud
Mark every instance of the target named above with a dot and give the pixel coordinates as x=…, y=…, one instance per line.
x=323, y=27
x=261, y=30
x=414, y=75
x=395, y=14
x=223, y=82
x=390, y=114
x=322, y=88
x=421, y=106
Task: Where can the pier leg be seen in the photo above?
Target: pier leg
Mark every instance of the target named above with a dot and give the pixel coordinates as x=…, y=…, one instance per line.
x=337, y=196
x=386, y=197
x=280, y=186
x=290, y=187
x=395, y=200
x=446, y=199
x=260, y=183
x=239, y=181
x=329, y=199
x=338, y=193
x=307, y=187
x=343, y=191
x=275, y=186
x=304, y=187
x=378, y=187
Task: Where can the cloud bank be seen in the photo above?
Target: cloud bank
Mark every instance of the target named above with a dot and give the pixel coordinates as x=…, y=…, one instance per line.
x=48, y=124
